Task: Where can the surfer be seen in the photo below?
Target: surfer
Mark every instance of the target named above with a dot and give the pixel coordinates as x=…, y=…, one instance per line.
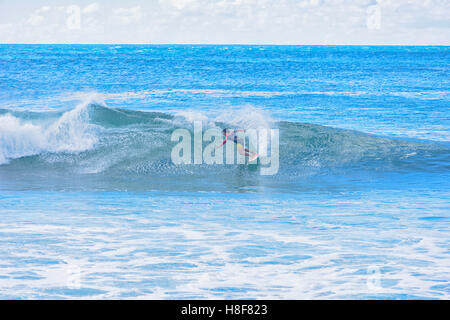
x=231, y=135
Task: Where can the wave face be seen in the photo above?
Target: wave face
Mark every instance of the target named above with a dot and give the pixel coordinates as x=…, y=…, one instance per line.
x=96, y=147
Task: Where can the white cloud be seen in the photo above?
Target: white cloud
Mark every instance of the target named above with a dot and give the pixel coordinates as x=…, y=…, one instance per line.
x=92, y=8
x=6, y=27
x=44, y=9
x=36, y=18
x=234, y=21
x=128, y=15
x=179, y=4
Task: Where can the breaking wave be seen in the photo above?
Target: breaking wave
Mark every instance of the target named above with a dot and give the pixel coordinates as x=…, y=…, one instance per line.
x=117, y=144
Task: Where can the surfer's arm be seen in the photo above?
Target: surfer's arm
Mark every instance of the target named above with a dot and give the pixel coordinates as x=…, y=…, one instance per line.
x=224, y=141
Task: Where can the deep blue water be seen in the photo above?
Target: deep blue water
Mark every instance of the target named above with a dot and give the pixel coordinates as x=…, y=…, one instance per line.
x=93, y=207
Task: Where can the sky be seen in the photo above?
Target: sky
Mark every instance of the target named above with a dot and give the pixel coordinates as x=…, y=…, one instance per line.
x=315, y=22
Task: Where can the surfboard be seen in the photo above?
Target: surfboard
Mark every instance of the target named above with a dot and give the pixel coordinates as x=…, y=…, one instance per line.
x=253, y=157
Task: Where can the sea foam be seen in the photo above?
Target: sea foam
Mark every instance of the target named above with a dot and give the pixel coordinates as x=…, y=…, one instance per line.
x=72, y=132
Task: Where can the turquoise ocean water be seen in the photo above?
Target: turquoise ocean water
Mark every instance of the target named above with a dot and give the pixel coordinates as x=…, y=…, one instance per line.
x=92, y=206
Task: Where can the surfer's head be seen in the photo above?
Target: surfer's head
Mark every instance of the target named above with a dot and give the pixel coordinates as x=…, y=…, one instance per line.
x=224, y=131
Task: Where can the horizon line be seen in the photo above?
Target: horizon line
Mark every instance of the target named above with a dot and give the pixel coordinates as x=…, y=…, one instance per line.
x=237, y=44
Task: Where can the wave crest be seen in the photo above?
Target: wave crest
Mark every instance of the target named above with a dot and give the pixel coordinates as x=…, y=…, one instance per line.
x=94, y=138
x=71, y=133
